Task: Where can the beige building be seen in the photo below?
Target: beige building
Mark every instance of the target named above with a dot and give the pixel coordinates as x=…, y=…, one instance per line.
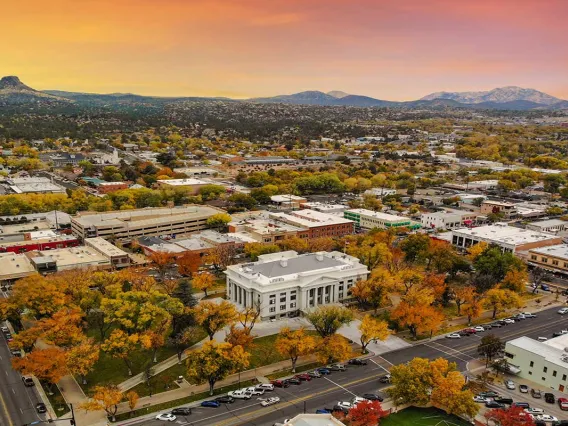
x=191, y=184
x=117, y=257
x=553, y=258
x=507, y=209
x=130, y=224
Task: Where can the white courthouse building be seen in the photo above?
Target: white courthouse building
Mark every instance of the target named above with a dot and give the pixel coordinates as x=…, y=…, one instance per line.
x=286, y=284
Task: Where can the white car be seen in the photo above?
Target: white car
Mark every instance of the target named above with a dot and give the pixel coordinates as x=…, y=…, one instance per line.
x=534, y=410
x=357, y=400
x=480, y=399
x=270, y=401
x=529, y=315
x=240, y=394
x=345, y=404
x=509, y=321
x=479, y=329
x=265, y=386
x=453, y=336
x=166, y=417
x=546, y=418
x=509, y=384
x=253, y=390
x=563, y=311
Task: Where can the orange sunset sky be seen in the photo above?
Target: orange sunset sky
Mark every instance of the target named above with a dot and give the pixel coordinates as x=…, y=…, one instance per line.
x=388, y=49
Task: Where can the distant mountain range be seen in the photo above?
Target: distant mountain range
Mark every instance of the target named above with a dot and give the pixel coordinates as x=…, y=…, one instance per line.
x=14, y=92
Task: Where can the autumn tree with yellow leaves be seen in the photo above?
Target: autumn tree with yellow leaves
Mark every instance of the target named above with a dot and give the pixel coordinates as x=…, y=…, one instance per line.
x=214, y=316
x=104, y=398
x=294, y=343
x=372, y=329
x=215, y=361
x=204, y=282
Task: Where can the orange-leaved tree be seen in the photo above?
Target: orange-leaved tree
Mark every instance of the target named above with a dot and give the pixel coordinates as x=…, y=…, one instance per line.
x=48, y=365
x=104, y=398
x=82, y=358
x=294, y=343
x=204, y=281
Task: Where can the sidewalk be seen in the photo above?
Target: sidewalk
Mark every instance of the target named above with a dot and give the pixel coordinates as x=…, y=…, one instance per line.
x=244, y=376
x=260, y=329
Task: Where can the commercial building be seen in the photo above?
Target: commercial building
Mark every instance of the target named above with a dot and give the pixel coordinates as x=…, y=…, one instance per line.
x=14, y=266
x=545, y=363
x=48, y=243
x=130, y=224
x=267, y=231
x=196, y=172
x=314, y=420
x=286, y=284
x=368, y=219
x=324, y=207
x=552, y=258
x=108, y=187
x=201, y=242
x=553, y=226
x=498, y=207
x=117, y=257
x=318, y=224
x=33, y=185
x=70, y=258
x=380, y=192
x=191, y=184
x=288, y=201
x=449, y=219
x=509, y=238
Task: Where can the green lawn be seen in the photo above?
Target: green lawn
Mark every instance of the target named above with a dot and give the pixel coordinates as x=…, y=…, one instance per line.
x=422, y=417
x=56, y=399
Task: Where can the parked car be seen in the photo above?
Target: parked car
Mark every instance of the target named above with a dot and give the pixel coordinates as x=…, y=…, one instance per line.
x=338, y=407
x=280, y=383
x=529, y=315
x=563, y=311
x=487, y=326
x=385, y=379
x=524, y=405
x=336, y=367
x=559, y=333
x=16, y=353
x=480, y=399
x=8, y=337
x=270, y=401
x=240, y=394
x=294, y=381
x=345, y=404
x=323, y=411
x=254, y=390
x=509, y=384
x=303, y=376
x=547, y=418
x=496, y=324
x=357, y=361
x=314, y=374
x=489, y=394
x=182, y=411
x=509, y=321
x=494, y=404
x=211, y=404
x=545, y=287
x=469, y=331
x=168, y=417
x=479, y=329
x=324, y=371
x=266, y=386
x=372, y=397
x=534, y=410
x=504, y=400
x=453, y=336
x=523, y=389
x=225, y=399
x=563, y=403
x=41, y=408
x=535, y=393
x=520, y=317
x=5, y=329
x=28, y=381
x=550, y=398
x=357, y=400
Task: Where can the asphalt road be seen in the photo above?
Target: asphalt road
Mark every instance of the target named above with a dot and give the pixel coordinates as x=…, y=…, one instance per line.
x=17, y=402
x=340, y=386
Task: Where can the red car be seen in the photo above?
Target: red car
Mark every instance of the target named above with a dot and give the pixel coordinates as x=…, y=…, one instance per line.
x=563, y=404
x=468, y=331
x=280, y=383
x=303, y=376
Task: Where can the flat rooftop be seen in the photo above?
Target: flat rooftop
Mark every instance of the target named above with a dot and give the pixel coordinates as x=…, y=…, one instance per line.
x=76, y=257
x=143, y=216
x=550, y=222
x=501, y=232
x=285, y=198
x=552, y=350
x=379, y=215
x=296, y=265
x=310, y=218
x=267, y=226
x=105, y=247
x=183, y=182
x=559, y=250
x=15, y=265
x=57, y=238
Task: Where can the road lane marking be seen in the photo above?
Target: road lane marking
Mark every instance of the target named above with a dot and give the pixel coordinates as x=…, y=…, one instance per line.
x=286, y=404
x=378, y=365
x=339, y=386
x=5, y=409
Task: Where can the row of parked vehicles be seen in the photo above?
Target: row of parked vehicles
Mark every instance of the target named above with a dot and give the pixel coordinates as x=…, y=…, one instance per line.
x=495, y=324
x=493, y=399
x=260, y=389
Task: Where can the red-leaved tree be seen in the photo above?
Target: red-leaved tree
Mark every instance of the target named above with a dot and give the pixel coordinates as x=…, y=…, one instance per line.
x=365, y=413
x=513, y=416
